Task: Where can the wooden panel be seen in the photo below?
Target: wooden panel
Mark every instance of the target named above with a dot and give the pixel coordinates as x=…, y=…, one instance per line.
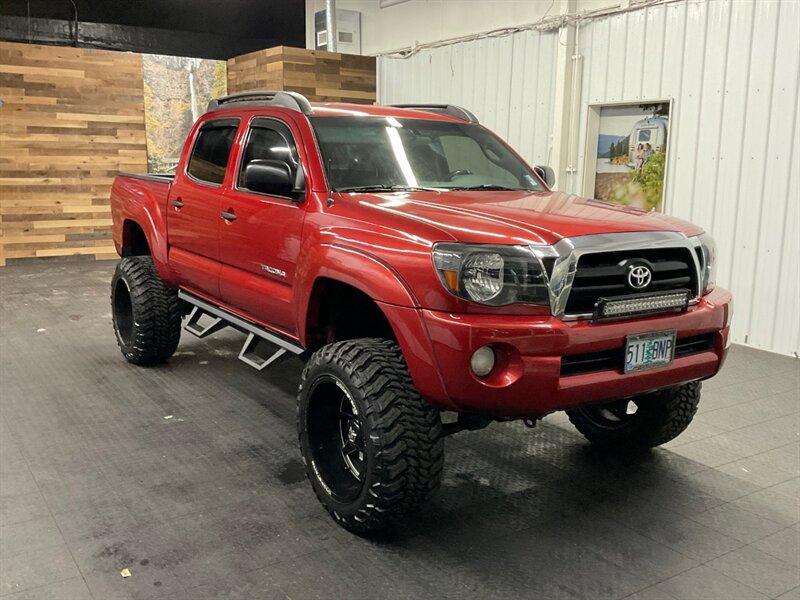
x=72, y=118
x=320, y=76
x=262, y=70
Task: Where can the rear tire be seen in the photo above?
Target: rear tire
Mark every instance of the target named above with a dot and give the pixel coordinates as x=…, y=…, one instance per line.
x=372, y=446
x=145, y=312
x=658, y=418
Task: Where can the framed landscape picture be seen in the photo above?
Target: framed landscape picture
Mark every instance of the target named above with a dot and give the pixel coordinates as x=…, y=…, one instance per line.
x=626, y=163
x=176, y=92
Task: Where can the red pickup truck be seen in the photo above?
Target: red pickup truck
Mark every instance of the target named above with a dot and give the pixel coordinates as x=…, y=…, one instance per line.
x=420, y=267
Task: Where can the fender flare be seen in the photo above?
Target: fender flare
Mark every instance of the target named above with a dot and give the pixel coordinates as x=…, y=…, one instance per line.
x=395, y=299
x=356, y=268
x=144, y=209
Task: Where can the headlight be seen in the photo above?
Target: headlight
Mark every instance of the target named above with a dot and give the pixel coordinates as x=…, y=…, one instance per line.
x=708, y=265
x=482, y=276
x=493, y=275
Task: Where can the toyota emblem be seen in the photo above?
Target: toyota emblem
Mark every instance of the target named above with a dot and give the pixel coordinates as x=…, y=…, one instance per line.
x=639, y=277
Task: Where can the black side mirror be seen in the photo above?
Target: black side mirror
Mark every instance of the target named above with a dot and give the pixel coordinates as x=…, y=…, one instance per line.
x=547, y=174
x=271, y=177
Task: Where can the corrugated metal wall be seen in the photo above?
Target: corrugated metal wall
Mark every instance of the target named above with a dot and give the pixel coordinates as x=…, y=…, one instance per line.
x=507, y=82
x=732, y=69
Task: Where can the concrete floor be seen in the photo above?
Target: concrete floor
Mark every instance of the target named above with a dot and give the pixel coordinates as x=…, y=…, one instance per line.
x=189, y=476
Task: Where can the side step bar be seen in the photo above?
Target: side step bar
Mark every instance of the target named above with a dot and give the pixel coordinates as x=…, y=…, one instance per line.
x=219, y=319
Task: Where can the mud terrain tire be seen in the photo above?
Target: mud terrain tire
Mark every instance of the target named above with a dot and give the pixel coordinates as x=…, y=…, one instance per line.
x=372, y=447
x=659, y=418
x=145, y=312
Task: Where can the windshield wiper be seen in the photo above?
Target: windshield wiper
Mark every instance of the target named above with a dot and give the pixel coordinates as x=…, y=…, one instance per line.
x=387, y=188
x=489, y=186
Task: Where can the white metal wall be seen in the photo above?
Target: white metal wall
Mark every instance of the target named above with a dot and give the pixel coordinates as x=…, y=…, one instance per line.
x=507, y=82
x=732, y=68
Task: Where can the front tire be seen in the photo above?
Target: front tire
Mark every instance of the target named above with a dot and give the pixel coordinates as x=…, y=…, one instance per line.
x=145, y=312
x=638, y=423
x=372, y=446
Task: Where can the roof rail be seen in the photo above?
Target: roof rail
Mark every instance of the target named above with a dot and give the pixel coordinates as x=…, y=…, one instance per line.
x=291, y=100
x=450, y=110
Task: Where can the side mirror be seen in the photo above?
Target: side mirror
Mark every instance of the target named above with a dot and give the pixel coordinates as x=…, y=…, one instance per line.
x=271, y=177
x=547, y=174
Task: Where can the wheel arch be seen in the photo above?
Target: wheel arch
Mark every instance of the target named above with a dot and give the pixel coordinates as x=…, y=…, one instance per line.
x=402, y=323
x=361, y=277
x=138, y=236
x=134, y=240
x=339, y=311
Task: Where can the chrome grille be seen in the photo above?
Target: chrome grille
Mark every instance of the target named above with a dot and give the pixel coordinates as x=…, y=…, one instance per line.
x=603, y=275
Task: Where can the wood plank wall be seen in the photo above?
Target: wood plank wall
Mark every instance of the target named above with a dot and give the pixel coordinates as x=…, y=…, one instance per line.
x=320, y=76
x=72, y=118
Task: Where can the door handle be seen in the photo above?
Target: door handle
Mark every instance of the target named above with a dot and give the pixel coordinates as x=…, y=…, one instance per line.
x=228, y=215
x=176, y=202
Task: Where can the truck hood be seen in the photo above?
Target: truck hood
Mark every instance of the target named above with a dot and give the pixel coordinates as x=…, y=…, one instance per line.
x=515, y=217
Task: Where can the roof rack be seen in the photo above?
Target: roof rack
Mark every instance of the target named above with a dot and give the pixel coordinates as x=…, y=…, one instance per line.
x=450, y=110
x=291, y=100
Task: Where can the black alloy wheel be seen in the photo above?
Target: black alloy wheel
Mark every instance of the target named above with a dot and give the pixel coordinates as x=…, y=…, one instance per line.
x=336, y=438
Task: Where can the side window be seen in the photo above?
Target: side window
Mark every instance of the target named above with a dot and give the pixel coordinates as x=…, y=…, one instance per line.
x=211, y=151
x=269, y=140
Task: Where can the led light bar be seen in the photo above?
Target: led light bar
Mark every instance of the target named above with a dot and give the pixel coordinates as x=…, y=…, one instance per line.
x=620, y=307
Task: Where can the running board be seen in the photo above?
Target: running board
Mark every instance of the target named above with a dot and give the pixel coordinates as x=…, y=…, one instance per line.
x=256, y=334
x=194, y=327
x=250, y=356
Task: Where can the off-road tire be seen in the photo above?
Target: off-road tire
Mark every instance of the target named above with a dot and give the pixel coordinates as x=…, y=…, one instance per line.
x=660, y=417
x=145, y=312
x=402, y=433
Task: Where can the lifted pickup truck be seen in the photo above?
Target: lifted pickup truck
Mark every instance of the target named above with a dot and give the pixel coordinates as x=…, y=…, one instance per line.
x=419, y=265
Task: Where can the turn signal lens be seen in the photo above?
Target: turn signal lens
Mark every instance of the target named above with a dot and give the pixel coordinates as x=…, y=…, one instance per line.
x=451, y=279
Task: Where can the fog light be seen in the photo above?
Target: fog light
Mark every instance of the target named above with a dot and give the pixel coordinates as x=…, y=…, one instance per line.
x=482, y=361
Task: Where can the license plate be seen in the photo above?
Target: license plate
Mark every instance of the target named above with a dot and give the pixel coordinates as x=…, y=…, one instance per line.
x=649, y=350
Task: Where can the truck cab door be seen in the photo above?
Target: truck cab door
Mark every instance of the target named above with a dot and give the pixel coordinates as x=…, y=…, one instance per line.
x=261, y=231
x=193, y=209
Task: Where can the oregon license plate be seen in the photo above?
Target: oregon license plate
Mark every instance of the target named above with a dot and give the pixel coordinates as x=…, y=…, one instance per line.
x=649, y=350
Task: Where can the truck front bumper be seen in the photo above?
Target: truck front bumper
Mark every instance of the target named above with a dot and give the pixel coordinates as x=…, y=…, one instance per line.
x=546, y=364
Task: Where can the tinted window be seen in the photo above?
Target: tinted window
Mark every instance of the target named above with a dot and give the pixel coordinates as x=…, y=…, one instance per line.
x=269, y=141
x=211, y=151
x=387, y=151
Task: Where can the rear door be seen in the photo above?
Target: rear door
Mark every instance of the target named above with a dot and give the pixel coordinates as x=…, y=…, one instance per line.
x=260, y=238
x=193, y=208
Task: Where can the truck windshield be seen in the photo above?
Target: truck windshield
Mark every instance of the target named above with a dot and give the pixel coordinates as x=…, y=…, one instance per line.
x=389, y=154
